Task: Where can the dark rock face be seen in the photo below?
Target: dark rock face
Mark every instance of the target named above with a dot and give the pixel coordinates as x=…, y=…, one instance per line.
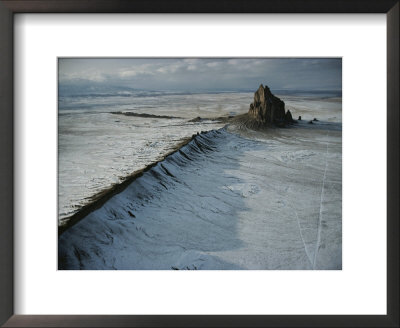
x=266, y=108
x=196, y=119
x=288, y=117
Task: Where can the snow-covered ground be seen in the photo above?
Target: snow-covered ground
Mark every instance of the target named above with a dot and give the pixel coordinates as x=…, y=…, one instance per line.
x=97, y=149
x=325, y=109
x=230, y=199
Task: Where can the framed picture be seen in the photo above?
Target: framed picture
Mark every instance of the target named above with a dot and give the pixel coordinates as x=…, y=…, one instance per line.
x=163, y=166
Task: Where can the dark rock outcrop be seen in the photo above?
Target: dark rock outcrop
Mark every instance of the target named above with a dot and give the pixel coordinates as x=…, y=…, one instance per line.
x=268, y=109
x=288, y=117
x=196, y=119
x=145, y=115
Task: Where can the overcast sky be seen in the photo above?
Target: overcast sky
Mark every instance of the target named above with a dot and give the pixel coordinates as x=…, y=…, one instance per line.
x=205, y=74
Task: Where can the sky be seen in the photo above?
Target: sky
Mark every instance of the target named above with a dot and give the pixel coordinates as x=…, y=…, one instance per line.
x=196, y=74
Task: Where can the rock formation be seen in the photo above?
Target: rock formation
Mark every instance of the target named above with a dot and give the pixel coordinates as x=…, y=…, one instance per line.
x=288, y=117
x=267, y=108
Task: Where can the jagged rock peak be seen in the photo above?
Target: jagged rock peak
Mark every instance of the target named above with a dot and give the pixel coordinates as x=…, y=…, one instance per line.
x=288, y=116
x=267, y=108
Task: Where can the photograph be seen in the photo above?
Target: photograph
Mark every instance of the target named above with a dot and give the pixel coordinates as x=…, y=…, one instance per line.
x=199, y=163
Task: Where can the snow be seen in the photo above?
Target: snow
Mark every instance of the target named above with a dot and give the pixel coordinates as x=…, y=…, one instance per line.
x=98, y=149
x=230, y=199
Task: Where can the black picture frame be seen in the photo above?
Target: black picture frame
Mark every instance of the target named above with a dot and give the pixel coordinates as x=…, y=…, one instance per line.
x=7, y=10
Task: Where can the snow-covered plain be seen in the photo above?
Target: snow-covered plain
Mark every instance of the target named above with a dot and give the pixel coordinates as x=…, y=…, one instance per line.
x=230, y=199
x=97, y=149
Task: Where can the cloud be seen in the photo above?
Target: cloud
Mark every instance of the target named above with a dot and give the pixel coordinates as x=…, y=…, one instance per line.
x=206, y=73
x=213, y=64
x=93, y=75
x=132, y=71
x=192, y=68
